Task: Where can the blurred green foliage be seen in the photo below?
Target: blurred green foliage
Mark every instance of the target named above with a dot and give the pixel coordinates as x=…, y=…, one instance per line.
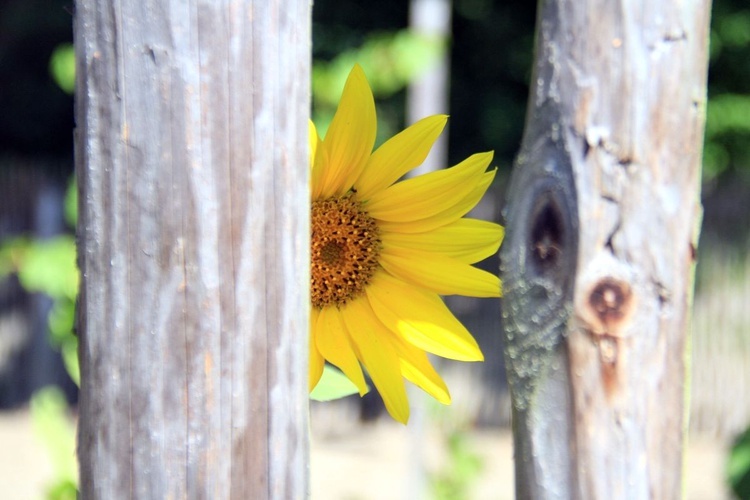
x=49, y=266
x=62, y=66
x=454, y=480
x=491, y=54
x=54, y=427
x=462, y=465
x=390, y=61
x=490, y=58
x=727, y=146
x=738, y=466
x=333, y=385
x=727, y=151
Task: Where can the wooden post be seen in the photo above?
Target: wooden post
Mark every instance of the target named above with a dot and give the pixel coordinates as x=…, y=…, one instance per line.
x=602, y=225
x=191, y=152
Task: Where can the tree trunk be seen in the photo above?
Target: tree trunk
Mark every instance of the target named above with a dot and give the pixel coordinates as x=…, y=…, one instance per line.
x=602, y=226
x=191, y=152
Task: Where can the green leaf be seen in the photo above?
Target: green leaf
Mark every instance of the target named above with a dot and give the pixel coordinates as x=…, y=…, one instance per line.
x=738, y=466
x=62, y=66
x=49, y=266
x=71, y=203
x=65, y=489
x=69, y=352
x=728, y=113
x=333, y=385
x=734, y=30
x=61, y=320
x=390, y=62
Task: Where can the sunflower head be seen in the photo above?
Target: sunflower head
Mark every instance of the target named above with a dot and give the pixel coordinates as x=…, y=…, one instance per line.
x=383, y=251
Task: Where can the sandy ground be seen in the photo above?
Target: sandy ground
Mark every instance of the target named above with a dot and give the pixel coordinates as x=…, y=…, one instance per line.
x=370, y=462
x=376, y=462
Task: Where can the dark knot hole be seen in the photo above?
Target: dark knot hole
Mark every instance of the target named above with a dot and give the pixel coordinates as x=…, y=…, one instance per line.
x=546, y=236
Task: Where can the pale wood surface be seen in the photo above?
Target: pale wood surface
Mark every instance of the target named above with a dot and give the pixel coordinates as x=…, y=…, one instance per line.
x=191, y=152
x=597, y=266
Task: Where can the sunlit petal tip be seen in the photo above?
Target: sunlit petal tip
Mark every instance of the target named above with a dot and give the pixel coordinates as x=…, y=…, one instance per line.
x=350, y=136
x=418, y=370
x=437, y=121
x=430, y=194
x=484, y=158
x=442, y=275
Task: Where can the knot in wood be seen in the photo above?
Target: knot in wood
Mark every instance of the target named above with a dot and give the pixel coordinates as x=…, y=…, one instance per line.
x=546, y=236
x=610, y=300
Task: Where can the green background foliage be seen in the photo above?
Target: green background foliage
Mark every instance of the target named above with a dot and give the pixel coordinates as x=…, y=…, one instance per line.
x=738, y=466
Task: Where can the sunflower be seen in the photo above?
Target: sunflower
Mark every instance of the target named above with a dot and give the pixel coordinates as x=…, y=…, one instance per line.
x=383, y=252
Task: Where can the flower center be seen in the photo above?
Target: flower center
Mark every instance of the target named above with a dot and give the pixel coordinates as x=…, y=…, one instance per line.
x=345, y=246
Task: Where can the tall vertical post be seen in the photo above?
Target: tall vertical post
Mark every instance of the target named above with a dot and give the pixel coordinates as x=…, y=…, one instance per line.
x=429, y=93
x=602, y=226
x=192, y=164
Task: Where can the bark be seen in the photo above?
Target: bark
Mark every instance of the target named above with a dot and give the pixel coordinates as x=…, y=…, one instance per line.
x=191, y=153
x=602, y=226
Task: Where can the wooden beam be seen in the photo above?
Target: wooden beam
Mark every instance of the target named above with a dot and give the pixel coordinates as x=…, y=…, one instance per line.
x=602, y=227
x=191, y=153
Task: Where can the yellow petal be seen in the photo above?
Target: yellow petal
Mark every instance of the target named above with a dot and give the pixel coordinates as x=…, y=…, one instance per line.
x=316, y=360
x=468, y=240
x=319, y=159
x=399, y=154
x=421, y=318
x=428, y=194
x=378, y=356
x=417, y=369
x=440, y=274
x=446, y=216
x=333, y=342
x=313, y=138
x=350, y=136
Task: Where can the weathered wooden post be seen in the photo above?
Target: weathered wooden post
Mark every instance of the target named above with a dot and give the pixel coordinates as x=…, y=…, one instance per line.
x=192, y=162
x=602, y=224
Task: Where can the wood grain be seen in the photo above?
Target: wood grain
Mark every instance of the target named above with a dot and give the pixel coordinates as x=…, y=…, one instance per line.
x=597, y=299
x=191, y=154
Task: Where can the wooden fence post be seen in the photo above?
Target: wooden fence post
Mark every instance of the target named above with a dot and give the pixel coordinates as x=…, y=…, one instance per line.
x=602, y=225
x=191, y=152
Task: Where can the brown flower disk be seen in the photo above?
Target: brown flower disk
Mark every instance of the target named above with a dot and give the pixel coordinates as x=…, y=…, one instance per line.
x=345, y=246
